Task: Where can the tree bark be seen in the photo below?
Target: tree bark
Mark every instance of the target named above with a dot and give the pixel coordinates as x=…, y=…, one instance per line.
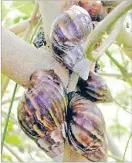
x=20, y=59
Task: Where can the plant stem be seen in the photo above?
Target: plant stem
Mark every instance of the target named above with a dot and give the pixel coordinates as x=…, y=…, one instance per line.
x=126, y=77
x=112, y=74
x=13, y=153
x=32, y=20
x=39, y=22
x=8, y=116
x=115, y=158
x=113, y=147
x=4, y=114
x=5, y=101
x=22, y=26
x=6, y=82
x=126, y=147
x=130, y=112
x=105, y=24
x=73, y=82
x=97, y=53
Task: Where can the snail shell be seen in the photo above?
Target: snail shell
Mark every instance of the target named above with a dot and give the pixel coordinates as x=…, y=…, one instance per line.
x=86, y=128
x=95, y=88
x=39, y=40
x=94, y=8
x=42, y=110
x=68, y=32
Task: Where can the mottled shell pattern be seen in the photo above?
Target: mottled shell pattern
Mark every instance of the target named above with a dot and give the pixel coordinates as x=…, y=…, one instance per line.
x=42, y=111
x=95, y=88
x=86, y=128
x=39, y=40
x=68, y=33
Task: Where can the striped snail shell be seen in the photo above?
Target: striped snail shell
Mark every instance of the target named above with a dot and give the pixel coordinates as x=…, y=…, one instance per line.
x=94, y=8
x=86, y=128
x=68, y=32
x=95, y=88
x=39, y=40
x=42, y=110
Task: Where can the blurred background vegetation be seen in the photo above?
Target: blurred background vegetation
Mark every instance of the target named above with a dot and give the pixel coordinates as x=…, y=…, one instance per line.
x=17, y=146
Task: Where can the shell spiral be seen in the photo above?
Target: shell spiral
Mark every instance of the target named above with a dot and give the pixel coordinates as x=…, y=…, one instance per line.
x=68, y=32
x=42, y=110
x=86, y=128
x=95, y=88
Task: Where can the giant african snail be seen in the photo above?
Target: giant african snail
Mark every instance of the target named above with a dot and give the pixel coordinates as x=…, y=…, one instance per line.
x=68, y=33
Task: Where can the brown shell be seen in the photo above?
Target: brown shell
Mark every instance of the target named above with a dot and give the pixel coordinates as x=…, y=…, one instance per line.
x=86, y=131
x=94, y=8
x=95, y=88
x=68, y=32
x=42, y=110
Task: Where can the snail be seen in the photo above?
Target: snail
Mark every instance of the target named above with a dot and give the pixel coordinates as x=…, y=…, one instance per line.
x=39, y=40
x=94, y=8
x=42, y=110
x=68, y=33
x=95, y=88
x=86, y=131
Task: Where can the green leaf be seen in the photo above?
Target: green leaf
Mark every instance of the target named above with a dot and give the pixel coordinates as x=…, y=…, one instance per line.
x=20, y=18
x=10, y=125
x=25, y=7
x=13, y=139
x=6, y=157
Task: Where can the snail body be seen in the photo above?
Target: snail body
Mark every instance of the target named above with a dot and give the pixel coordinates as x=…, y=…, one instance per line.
x=42, y=110
x=86, y=128
x=68, y=33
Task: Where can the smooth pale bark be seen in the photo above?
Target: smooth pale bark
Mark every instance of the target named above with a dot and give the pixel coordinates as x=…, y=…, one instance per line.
x=49, y=11
x=20, y=59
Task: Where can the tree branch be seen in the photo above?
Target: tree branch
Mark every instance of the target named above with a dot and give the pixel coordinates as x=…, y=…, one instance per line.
x=26, y=24
x=107, y=42
x=49, y=10
x=105, y=25
x=20, y=59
